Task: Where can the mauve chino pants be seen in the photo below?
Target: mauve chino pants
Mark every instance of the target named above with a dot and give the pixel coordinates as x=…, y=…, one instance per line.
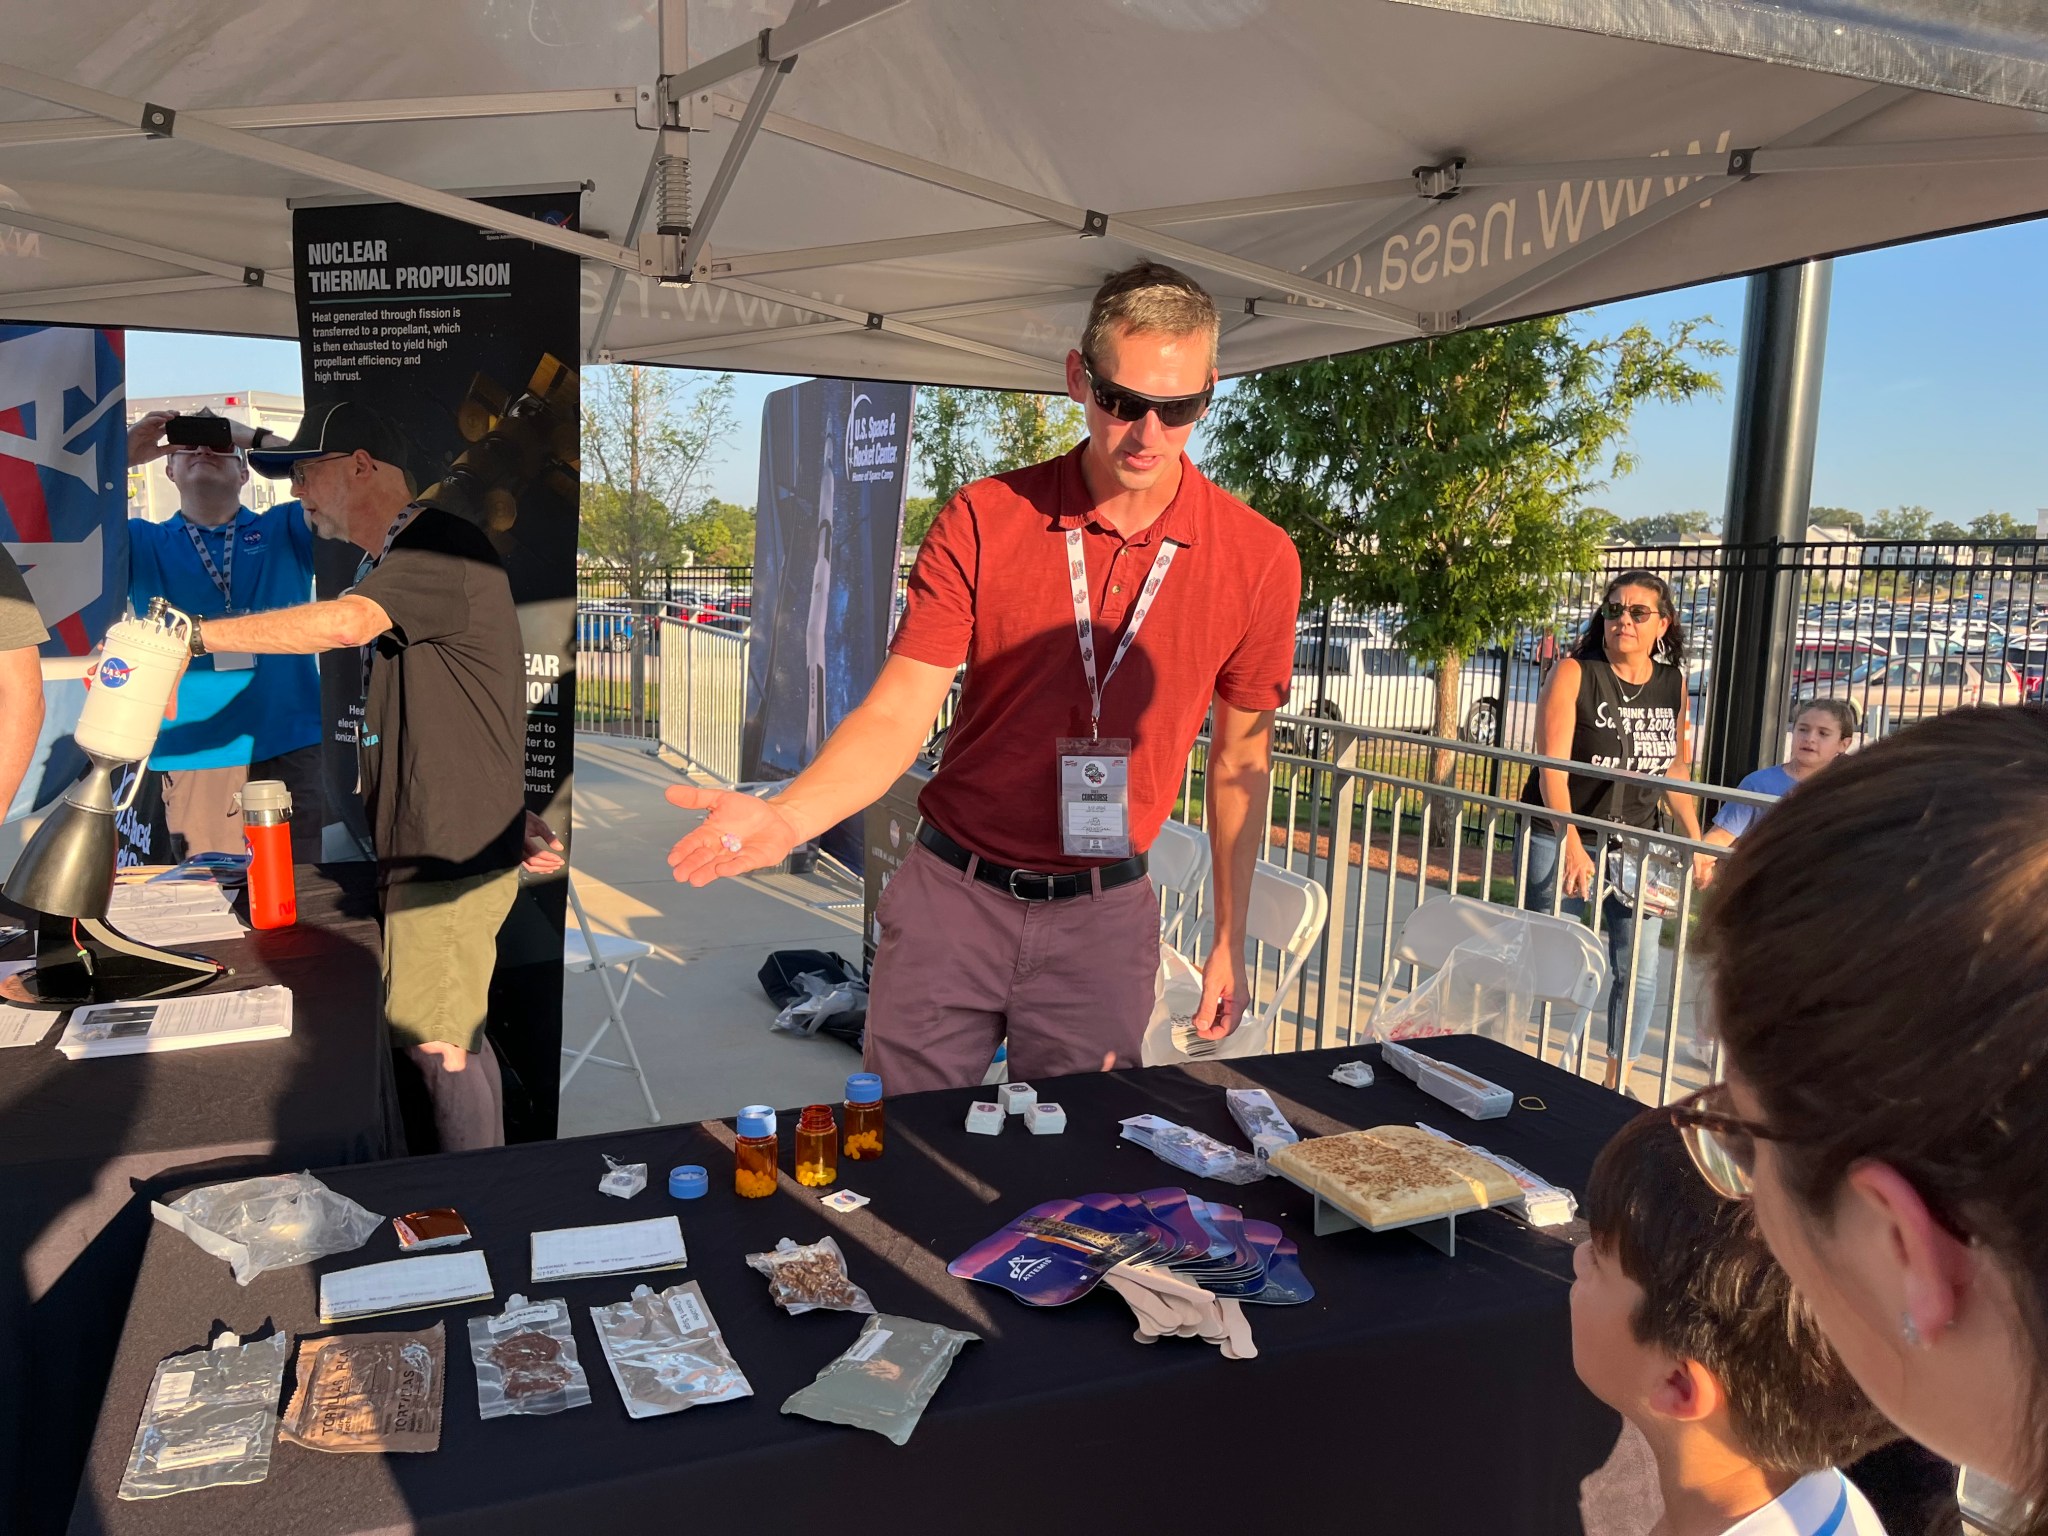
x=961, y=965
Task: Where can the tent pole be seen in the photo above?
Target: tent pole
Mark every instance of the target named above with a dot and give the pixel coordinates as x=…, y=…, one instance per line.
x=1770, y=488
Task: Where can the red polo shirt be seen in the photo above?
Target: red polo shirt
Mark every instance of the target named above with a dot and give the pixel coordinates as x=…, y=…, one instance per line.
x=990, y=588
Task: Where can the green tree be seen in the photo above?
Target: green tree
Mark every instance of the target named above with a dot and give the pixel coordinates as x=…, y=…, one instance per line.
x=948, y=441
x=719, y=533
x=1905, y=523
x=650, y=439
x=1029, y=429
x=1948, y=532
x=1447, y=476
x=1669, y=528
x=1849, y=522
x=2000, y=525
x=918, y=513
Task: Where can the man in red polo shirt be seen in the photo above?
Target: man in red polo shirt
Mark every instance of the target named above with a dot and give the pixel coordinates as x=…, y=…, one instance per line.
x=1104, y=603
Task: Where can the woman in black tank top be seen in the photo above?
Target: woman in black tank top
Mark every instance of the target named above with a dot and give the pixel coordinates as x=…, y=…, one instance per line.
x=1618, y=701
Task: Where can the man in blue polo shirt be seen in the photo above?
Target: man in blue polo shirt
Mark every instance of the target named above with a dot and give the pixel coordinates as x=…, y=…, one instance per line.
x=240, y=717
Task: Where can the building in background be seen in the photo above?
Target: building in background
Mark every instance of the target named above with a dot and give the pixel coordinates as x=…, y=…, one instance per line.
x=153, y=498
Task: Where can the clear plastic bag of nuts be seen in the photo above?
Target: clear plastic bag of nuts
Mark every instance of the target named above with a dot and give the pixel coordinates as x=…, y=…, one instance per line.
x=810, y=1277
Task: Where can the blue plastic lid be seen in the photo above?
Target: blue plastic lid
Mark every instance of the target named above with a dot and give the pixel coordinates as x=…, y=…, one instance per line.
x=757, y=1120
x=688, y=1182
x=864, y=1088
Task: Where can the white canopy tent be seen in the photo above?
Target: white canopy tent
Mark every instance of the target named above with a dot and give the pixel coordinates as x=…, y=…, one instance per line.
x=929, y=189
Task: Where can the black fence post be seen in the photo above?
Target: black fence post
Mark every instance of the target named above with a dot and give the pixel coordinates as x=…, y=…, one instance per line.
x=1770, y=485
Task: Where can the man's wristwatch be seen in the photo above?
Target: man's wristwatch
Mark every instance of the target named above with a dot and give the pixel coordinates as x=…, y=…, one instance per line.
x=198, y=644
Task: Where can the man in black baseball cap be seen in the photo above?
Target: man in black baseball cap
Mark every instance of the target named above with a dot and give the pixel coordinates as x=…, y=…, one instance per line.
x=329, y=431
x=441, y=740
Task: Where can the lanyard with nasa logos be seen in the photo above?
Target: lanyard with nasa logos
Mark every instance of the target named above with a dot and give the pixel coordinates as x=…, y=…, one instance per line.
x=1084, y=627
x=223, y=575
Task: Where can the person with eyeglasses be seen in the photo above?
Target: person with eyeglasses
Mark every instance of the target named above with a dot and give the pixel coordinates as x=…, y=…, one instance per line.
x=1876, y=951
x=1617, y=701
x=239, y=716
x=1104, y=604
x=441, y=740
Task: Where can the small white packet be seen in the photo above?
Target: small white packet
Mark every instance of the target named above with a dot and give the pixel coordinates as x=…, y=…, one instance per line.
x=1353, y=1074
x=625, y=1180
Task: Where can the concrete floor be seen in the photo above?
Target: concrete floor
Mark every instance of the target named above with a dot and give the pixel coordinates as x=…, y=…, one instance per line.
x=697, y=1013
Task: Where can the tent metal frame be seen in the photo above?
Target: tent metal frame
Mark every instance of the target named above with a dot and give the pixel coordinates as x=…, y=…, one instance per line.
x=1311, y=294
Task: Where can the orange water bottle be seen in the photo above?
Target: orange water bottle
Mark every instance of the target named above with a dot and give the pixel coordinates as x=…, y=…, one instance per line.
x=267, y=830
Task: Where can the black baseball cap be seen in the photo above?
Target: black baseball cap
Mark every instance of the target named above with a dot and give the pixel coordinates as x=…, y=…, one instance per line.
x=340, y=428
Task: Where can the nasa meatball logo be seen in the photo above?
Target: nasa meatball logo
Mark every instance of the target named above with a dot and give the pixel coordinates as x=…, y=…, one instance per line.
x=1094, y=773
x=895, y=834
x=114, y=672
x=253, y=539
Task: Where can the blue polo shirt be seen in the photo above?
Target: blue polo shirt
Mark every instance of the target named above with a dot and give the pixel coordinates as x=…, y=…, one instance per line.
x=231, y=719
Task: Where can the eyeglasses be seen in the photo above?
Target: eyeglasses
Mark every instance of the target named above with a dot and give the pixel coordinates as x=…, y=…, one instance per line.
x=1723, y=1146
x=1129, y=405
x=1636, y=613
x=300, y=466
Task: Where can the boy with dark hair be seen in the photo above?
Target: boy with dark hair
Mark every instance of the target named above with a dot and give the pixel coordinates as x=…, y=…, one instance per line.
x=1684, y=1324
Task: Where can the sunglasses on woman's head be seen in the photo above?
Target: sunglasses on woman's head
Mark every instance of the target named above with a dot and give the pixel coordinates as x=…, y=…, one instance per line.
x=1129, y=405
x=1635, y=612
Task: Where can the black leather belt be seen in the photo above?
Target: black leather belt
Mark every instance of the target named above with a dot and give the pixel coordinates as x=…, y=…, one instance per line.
x=1029, y=884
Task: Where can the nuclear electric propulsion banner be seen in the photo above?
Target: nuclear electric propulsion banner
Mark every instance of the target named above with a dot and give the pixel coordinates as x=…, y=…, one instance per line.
x=465, y=339
x=828, y=534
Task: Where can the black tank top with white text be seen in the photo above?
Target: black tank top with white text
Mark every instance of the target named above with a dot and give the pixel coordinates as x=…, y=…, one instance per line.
x=1621, y=725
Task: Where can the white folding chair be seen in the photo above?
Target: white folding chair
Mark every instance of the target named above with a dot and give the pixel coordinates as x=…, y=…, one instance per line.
x=1179, y=860
x=587, y=951
x=1287, y=911
x=1568, y=959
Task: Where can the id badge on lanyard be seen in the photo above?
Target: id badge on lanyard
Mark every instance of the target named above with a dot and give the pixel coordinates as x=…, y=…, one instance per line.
x=223, y=578
x=1095, y=771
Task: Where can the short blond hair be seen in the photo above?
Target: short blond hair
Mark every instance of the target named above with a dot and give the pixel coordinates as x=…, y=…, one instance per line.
x=1150, y=297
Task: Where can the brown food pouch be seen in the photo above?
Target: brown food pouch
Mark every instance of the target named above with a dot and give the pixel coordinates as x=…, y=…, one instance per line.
x=369, y=1392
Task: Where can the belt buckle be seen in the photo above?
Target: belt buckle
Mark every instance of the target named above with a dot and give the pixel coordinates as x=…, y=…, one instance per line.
x=1019, y=895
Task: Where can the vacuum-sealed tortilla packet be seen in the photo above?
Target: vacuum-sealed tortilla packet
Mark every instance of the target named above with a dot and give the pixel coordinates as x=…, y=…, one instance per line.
x=525, y=1360
x=369, y=1392
x=810, y=1277
x=1261, y=1121
x=885, y=1378
x=666, y=1353
x=269, y=1223
x=209, y=1420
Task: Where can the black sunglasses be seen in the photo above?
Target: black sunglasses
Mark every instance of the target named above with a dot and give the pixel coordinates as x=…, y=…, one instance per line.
x=1635, y=611
x=1129, y=405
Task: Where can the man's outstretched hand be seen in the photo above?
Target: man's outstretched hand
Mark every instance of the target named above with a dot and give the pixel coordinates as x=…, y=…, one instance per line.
x=743, y=832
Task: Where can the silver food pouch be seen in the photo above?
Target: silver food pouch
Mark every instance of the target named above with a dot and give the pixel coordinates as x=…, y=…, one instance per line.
x=666, y=1353
x=525, y=1360
x=209, y=1420
x=885, y=1378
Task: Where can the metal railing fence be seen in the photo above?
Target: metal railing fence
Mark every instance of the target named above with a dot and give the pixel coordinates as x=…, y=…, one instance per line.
x=704, y=696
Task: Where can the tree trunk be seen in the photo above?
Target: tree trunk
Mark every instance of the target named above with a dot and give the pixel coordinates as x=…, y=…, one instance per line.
x=1443, y=763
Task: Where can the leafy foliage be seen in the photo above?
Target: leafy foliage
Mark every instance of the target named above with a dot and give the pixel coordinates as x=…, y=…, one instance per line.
x=964, y=434
x=650, y=437
x=1669, y=528
x=1447, y=477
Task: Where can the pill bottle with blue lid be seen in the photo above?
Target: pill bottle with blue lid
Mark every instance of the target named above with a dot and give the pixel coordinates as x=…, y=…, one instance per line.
x=861, y=1134
x=755, y=1153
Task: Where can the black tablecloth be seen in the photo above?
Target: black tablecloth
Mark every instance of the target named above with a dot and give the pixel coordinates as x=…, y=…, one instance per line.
x=84, y=1147
x=1418, y=1393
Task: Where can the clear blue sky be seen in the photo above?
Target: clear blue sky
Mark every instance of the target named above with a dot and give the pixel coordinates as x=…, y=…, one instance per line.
x=1935, y=392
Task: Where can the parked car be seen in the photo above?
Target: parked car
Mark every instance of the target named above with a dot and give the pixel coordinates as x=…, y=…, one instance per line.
x=1819, y=664
x=1376, y=685
x=604, y=628
x=2029, y=659
x=1900, y=691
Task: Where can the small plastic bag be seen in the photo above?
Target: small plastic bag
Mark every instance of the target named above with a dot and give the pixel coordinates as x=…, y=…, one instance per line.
x=269, y=1223
x=1261, y=1121
x=885, y=1379
x=525, y=1360
x=622, y=1180
x=1487, y=987
x=1192, y=1152
x=209, y=1420
x=666, y=1353
x=822, y=999
x=810, y=1278
x=1642, y=871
